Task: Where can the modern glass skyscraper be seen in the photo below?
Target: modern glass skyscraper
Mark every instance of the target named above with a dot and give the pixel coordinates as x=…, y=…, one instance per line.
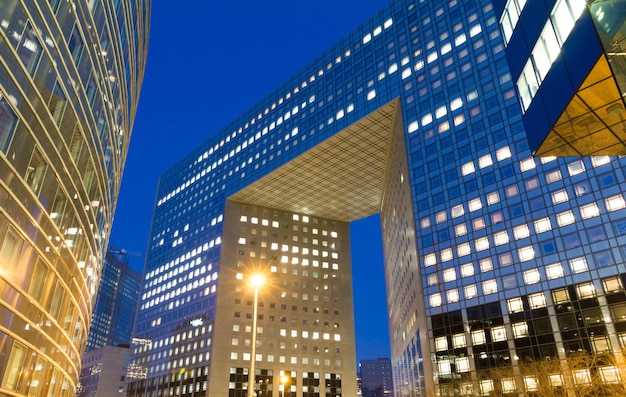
x=70, y=75
x=116, y=303
x=494, y=259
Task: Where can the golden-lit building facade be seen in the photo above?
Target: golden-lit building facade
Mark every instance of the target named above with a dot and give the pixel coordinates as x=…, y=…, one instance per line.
x=70, y=76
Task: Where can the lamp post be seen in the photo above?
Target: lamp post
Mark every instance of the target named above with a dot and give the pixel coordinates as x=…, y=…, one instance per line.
x=283, y=380
x=256, y=280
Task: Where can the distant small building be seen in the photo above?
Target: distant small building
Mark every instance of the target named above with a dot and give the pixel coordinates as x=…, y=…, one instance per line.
x=376, y=378
x=104, y=372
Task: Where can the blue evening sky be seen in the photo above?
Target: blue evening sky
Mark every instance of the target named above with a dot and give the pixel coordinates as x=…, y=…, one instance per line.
x=209, y=61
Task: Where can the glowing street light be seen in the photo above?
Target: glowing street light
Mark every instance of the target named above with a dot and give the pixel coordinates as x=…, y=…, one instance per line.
x=256, y=280
x=283, y=379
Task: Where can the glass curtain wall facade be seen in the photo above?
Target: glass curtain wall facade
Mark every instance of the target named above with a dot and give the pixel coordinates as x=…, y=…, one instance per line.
x=70, y=74
x=569, y=68
x=116, y=303
x=494, y=259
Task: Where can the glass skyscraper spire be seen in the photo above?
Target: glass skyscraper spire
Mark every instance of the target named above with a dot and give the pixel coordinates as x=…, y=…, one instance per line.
x=494, y=260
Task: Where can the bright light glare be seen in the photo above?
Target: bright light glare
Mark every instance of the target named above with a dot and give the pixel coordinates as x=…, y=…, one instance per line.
x=257, y=280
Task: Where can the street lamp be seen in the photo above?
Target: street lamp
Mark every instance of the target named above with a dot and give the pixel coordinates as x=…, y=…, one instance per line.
x=283, y=380
x=256, y=281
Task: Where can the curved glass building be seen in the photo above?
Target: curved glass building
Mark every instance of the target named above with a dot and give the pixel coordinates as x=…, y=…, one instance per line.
x=70, y=75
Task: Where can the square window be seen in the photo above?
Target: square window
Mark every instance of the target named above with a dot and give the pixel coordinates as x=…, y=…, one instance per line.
x=512, y=191
x=441, y=344
x=478, y=337
x=446, y=254
x=444, y=367
x=486, y=387
x=449, y=274
x=498, y=334
x=531, y=383
x=433, y=279
x=485, y=161
x=467, y=270
x=576, y=167
x=501, y=238
x=560, y=295
x=515, y=305
x=521, y=232
x=565, y=218
x=554, y=271
x=559, y=196
x=470, y=291
x=537, y=301
x=462, y=364
x=490, y=287
x=578, y=265
x=482, y=244
x=457, y=211
x=458, y=340
x=478, y=224
x=542, y=225
x=505, y=259
x=453, y=295
x=486, y=265
x=493, y=198
x=531, y=276
x=509, y=281
x=435, y=300
x=532, y=183
x=463, y=249
x=496, y=217
x=503, y=153
x=475, y=205
x=585, y=291
x=612, y=285
x=553, y=176
x=615, y=203
x=526, y=253
x=589, y=211
x=582, y=188
x=430, y=259
x=460, y=230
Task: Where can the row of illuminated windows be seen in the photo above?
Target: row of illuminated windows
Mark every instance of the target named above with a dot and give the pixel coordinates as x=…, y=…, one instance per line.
x=178, y=264
x=473, y=31
x=530, y=383
x=340, y=113
x=547, y=48
x=522, y=231
x=294, y=333
x=538, y=300
x=530, y=277
x=295, y=217
x=486, y=161
x=186, y=281
x=181, y=275
x=574, y=168
x=182, y=363
x=510, y=17
x=172, y=296
x=271, y=358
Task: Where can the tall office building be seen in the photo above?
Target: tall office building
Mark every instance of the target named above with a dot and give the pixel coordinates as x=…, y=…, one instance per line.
x=70, y=74
x=116, y=303
x=494, y=259
x=376, y=377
